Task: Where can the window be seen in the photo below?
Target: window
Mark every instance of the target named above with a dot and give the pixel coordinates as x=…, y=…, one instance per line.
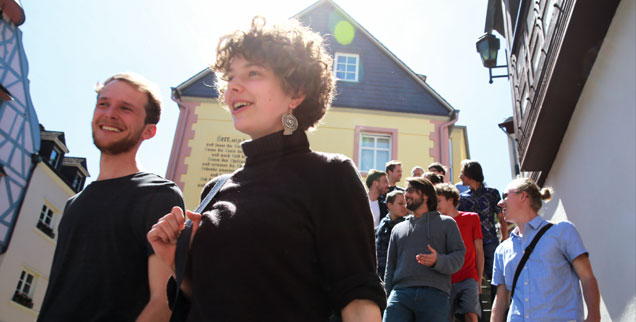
x=375, y=151
x=78, y=181
x=45, y=224
x=54, y=158
x=23, y=292
x=374, y=147
x=346, y=67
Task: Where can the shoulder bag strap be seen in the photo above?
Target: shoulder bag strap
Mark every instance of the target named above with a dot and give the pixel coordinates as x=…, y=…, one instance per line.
x=183, y=243
x=526, y=254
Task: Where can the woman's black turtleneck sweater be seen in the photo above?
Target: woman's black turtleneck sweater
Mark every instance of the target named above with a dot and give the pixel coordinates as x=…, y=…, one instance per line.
x=289, y=237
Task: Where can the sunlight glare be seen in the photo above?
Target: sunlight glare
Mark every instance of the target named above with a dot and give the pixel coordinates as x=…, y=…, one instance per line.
x=344, y=32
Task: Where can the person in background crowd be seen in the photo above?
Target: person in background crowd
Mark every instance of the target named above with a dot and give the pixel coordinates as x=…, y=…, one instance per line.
x=424, y=251
x=417, y=171
x=433, y=177
x=548, y=287
x=394, y=174
x=466, y=283
x=378, y=185
x=396, y=204
x=437, y=168
x=482, y=200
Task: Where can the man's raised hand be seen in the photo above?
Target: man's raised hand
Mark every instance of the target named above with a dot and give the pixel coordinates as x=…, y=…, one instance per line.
x=427, y=259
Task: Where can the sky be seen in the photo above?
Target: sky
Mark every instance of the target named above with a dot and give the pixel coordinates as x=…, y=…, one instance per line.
x=73, y=44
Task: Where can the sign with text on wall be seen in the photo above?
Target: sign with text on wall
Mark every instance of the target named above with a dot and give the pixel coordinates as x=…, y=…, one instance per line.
x=223, y=155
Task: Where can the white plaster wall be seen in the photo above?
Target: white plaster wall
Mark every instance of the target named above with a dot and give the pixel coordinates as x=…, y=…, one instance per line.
x=29, y=248
x=594, y=173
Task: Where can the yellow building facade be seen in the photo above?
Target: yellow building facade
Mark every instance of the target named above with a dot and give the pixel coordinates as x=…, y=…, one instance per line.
x=341, y=128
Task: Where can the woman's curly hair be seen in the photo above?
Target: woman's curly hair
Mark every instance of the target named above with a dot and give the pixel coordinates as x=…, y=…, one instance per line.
x=294, y=53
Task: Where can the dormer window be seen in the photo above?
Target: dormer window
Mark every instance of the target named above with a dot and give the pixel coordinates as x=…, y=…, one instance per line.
x=78, y=181
x=74, y=172
x=54, y=158
x=346, y=67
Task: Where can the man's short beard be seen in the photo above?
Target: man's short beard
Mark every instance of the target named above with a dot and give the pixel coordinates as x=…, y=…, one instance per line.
x=414, y=205
x=121, y=146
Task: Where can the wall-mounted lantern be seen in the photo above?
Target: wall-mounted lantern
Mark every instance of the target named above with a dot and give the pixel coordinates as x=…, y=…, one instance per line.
x=487, y=47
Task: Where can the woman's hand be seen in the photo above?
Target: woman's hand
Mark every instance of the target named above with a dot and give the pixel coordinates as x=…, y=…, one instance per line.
x=164, y=234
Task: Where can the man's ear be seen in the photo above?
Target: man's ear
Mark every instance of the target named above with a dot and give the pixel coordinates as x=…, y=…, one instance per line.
x=149, y=131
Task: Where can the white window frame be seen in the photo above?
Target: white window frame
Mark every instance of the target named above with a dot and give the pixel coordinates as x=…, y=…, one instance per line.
x=375, y=149
x=47, y=213
x=346, y=56
x=50, y=213
x=23, y=282
x=25, y=288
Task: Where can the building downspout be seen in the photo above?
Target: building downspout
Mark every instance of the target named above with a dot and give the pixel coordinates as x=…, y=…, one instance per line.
x=443, y=140
x=172, y=162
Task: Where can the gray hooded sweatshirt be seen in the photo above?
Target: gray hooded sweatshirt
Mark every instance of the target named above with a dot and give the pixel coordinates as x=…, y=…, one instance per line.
x=410, y=238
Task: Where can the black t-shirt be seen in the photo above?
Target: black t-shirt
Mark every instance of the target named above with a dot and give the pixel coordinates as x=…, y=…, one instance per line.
x=100, y=266
x=289, y=237
x=393, y=188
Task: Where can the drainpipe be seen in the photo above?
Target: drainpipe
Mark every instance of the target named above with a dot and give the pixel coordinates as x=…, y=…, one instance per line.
x=443, y=139
x=180, y=132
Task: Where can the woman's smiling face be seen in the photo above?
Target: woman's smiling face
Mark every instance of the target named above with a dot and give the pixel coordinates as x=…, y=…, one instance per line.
x=256, y=98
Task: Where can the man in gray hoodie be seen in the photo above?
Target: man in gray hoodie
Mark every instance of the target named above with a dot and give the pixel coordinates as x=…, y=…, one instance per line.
x=424, y=251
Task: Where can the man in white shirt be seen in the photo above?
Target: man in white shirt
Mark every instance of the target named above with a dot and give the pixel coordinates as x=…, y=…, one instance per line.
x=378, y=184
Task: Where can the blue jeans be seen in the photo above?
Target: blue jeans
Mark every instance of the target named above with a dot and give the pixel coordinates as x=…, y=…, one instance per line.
x=489, y=257
x=417, y=304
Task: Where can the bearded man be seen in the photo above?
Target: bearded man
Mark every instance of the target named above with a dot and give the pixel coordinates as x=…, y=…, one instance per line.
x=424, y=251
x=103, y=268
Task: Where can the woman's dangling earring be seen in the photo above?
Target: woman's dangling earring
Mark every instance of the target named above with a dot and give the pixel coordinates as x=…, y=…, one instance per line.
x=290, y=123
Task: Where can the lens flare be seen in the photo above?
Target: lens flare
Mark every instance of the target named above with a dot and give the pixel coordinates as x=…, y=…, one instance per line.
x=344, y=32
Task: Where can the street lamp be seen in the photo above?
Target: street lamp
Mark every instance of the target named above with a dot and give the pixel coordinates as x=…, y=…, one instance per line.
x=487, y=47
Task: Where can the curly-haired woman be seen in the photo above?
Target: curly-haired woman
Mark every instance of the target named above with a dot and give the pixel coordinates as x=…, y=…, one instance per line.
x=289, y=237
